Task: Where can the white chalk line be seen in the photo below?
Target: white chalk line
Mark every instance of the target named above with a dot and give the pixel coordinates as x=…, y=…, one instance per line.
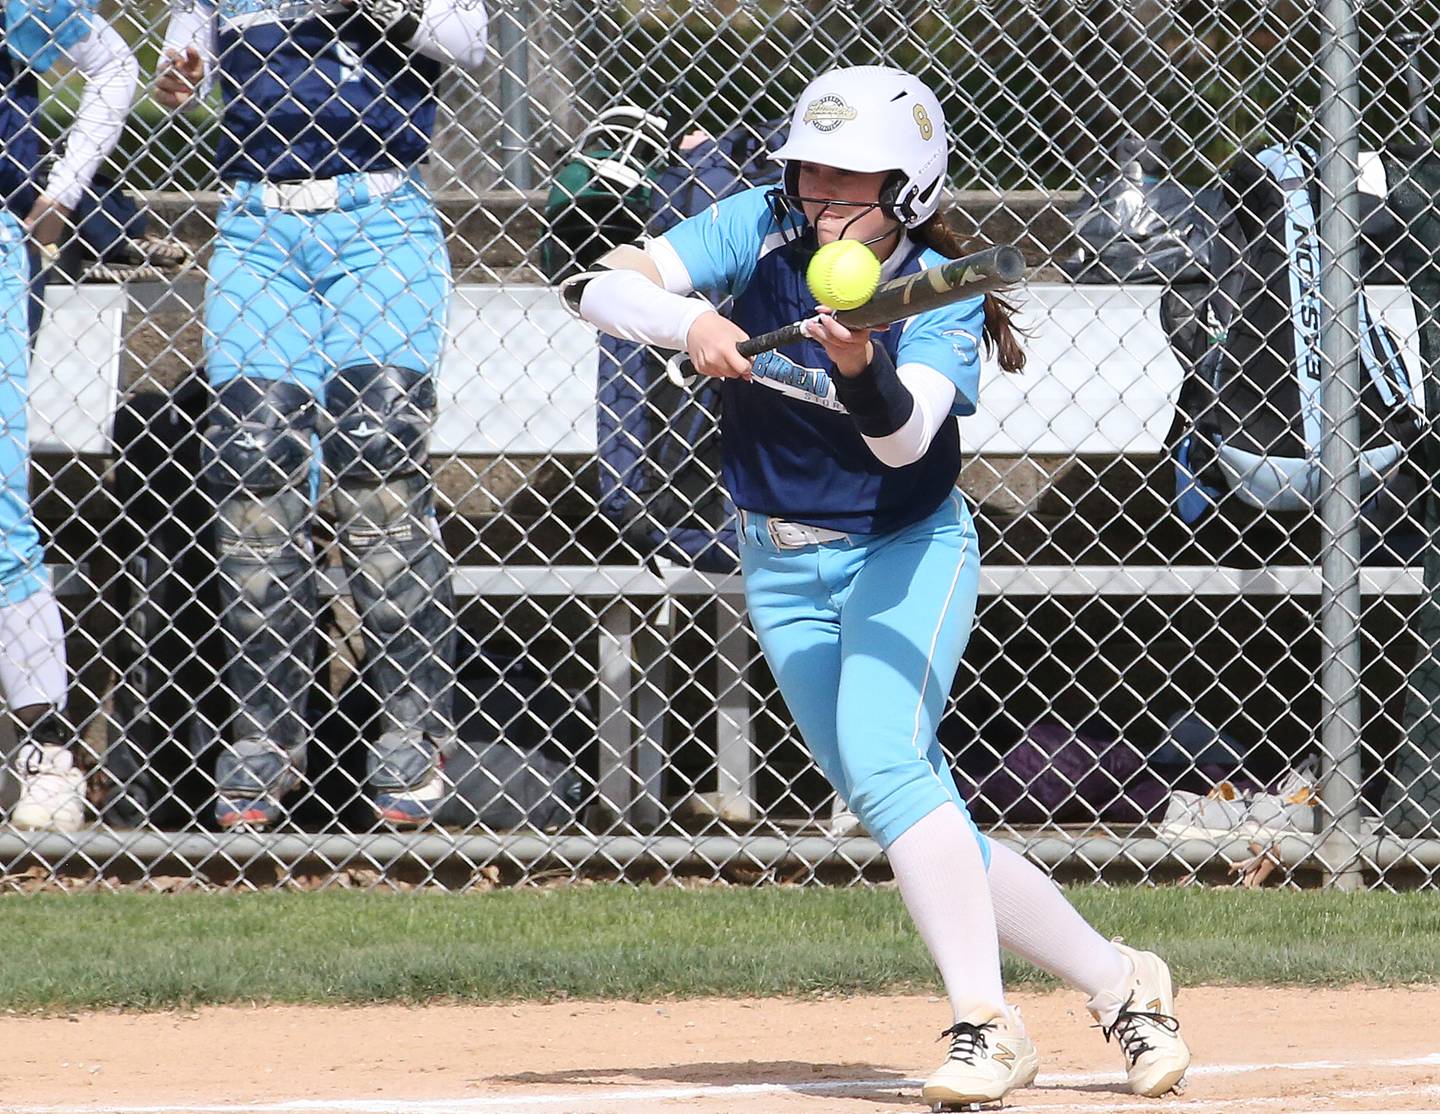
x=589, y=1098
x=1173, y=1105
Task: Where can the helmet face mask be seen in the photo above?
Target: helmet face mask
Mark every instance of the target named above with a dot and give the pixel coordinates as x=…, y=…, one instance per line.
x=788, y=199
x=622, y=144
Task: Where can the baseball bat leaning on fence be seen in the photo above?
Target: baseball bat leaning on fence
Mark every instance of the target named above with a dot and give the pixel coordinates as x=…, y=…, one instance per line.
x=992, y=269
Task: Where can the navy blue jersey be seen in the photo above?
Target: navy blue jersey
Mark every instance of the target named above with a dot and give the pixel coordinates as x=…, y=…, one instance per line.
x=791, y=450
x=313, y=89
x=35, y=32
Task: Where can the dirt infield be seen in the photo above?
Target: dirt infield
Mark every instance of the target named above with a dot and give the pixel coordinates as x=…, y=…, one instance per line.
x=1255, y=1049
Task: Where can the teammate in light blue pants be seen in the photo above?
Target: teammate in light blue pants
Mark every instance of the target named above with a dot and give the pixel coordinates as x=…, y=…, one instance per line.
x=327, y=326
x=325, y=316
x=33, y=672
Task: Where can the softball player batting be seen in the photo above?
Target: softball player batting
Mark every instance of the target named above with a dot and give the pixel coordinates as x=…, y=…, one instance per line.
x=860, y=558
x=33, y=672
x=324, y=316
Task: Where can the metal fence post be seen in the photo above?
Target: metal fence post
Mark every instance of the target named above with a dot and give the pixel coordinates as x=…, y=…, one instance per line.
x=512, y=41
x=1340, y=600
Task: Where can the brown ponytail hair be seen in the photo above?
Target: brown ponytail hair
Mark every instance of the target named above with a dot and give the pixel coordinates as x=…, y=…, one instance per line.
x=1000, y=332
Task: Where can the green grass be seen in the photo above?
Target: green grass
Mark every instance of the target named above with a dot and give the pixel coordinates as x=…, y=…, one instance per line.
x=143, y=951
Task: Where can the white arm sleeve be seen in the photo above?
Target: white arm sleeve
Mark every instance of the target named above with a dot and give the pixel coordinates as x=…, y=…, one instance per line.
x=453, y=31
x=110, y=74
x=934, y=395
x=628, y=305
x=191, y=24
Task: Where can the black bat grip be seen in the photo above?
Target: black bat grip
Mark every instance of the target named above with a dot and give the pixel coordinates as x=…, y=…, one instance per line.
x=753, y=346
x=768, y=342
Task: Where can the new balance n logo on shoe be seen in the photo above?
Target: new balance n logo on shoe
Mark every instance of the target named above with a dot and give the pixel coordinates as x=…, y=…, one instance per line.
x=990, y=1056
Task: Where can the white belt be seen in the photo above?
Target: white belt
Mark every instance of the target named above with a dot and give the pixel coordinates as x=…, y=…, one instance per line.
x=795, y=535
x=312, y=195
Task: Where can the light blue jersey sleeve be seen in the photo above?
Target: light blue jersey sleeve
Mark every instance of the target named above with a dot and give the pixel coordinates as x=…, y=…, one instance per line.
x=949, y=340
x=36, y=31
x=720, y=246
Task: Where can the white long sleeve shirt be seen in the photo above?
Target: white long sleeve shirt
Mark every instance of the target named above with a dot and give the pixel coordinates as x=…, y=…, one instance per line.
x=110, y=72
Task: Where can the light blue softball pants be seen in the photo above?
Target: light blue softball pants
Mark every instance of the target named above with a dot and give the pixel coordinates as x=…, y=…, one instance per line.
x=864, y=637
x=22, y=561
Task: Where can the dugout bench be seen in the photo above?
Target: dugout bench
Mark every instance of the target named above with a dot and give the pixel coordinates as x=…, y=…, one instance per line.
x=519, y=377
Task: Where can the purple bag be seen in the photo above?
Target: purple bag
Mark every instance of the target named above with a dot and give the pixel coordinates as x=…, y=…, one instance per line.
x=1057, y=775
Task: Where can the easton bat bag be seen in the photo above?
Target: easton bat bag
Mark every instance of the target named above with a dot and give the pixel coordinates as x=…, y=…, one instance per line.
x=1250, y=416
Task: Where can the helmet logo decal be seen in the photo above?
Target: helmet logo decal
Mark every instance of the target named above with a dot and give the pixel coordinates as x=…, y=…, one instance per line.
x=827, y=113
x=922, y=121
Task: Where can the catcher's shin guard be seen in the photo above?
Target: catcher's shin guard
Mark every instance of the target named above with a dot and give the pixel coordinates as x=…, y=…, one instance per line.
x=257, y=460
x=252, y=777
x=399, y=573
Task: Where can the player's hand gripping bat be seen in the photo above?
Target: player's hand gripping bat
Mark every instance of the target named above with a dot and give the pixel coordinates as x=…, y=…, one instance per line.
x=993, y=269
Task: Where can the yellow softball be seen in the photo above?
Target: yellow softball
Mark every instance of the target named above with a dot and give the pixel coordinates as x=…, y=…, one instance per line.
x=843, y=274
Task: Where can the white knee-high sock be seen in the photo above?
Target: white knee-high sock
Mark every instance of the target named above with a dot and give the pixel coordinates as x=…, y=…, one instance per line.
x=32, y=652
x=941, y=874
x=1036, y=922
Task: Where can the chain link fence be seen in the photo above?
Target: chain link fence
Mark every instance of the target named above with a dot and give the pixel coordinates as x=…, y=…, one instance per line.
x=1205, y=645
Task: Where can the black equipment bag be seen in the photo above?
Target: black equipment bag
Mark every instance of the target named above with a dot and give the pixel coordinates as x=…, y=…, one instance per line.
x=1250, y=423
x=520, y=739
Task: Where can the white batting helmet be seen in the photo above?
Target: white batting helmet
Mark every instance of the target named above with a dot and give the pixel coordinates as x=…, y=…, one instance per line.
x=869, y=118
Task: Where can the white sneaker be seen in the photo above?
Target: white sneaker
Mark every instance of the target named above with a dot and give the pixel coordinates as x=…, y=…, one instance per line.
x=1142, y=1020
x=990, y=1056
x=52, y=789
